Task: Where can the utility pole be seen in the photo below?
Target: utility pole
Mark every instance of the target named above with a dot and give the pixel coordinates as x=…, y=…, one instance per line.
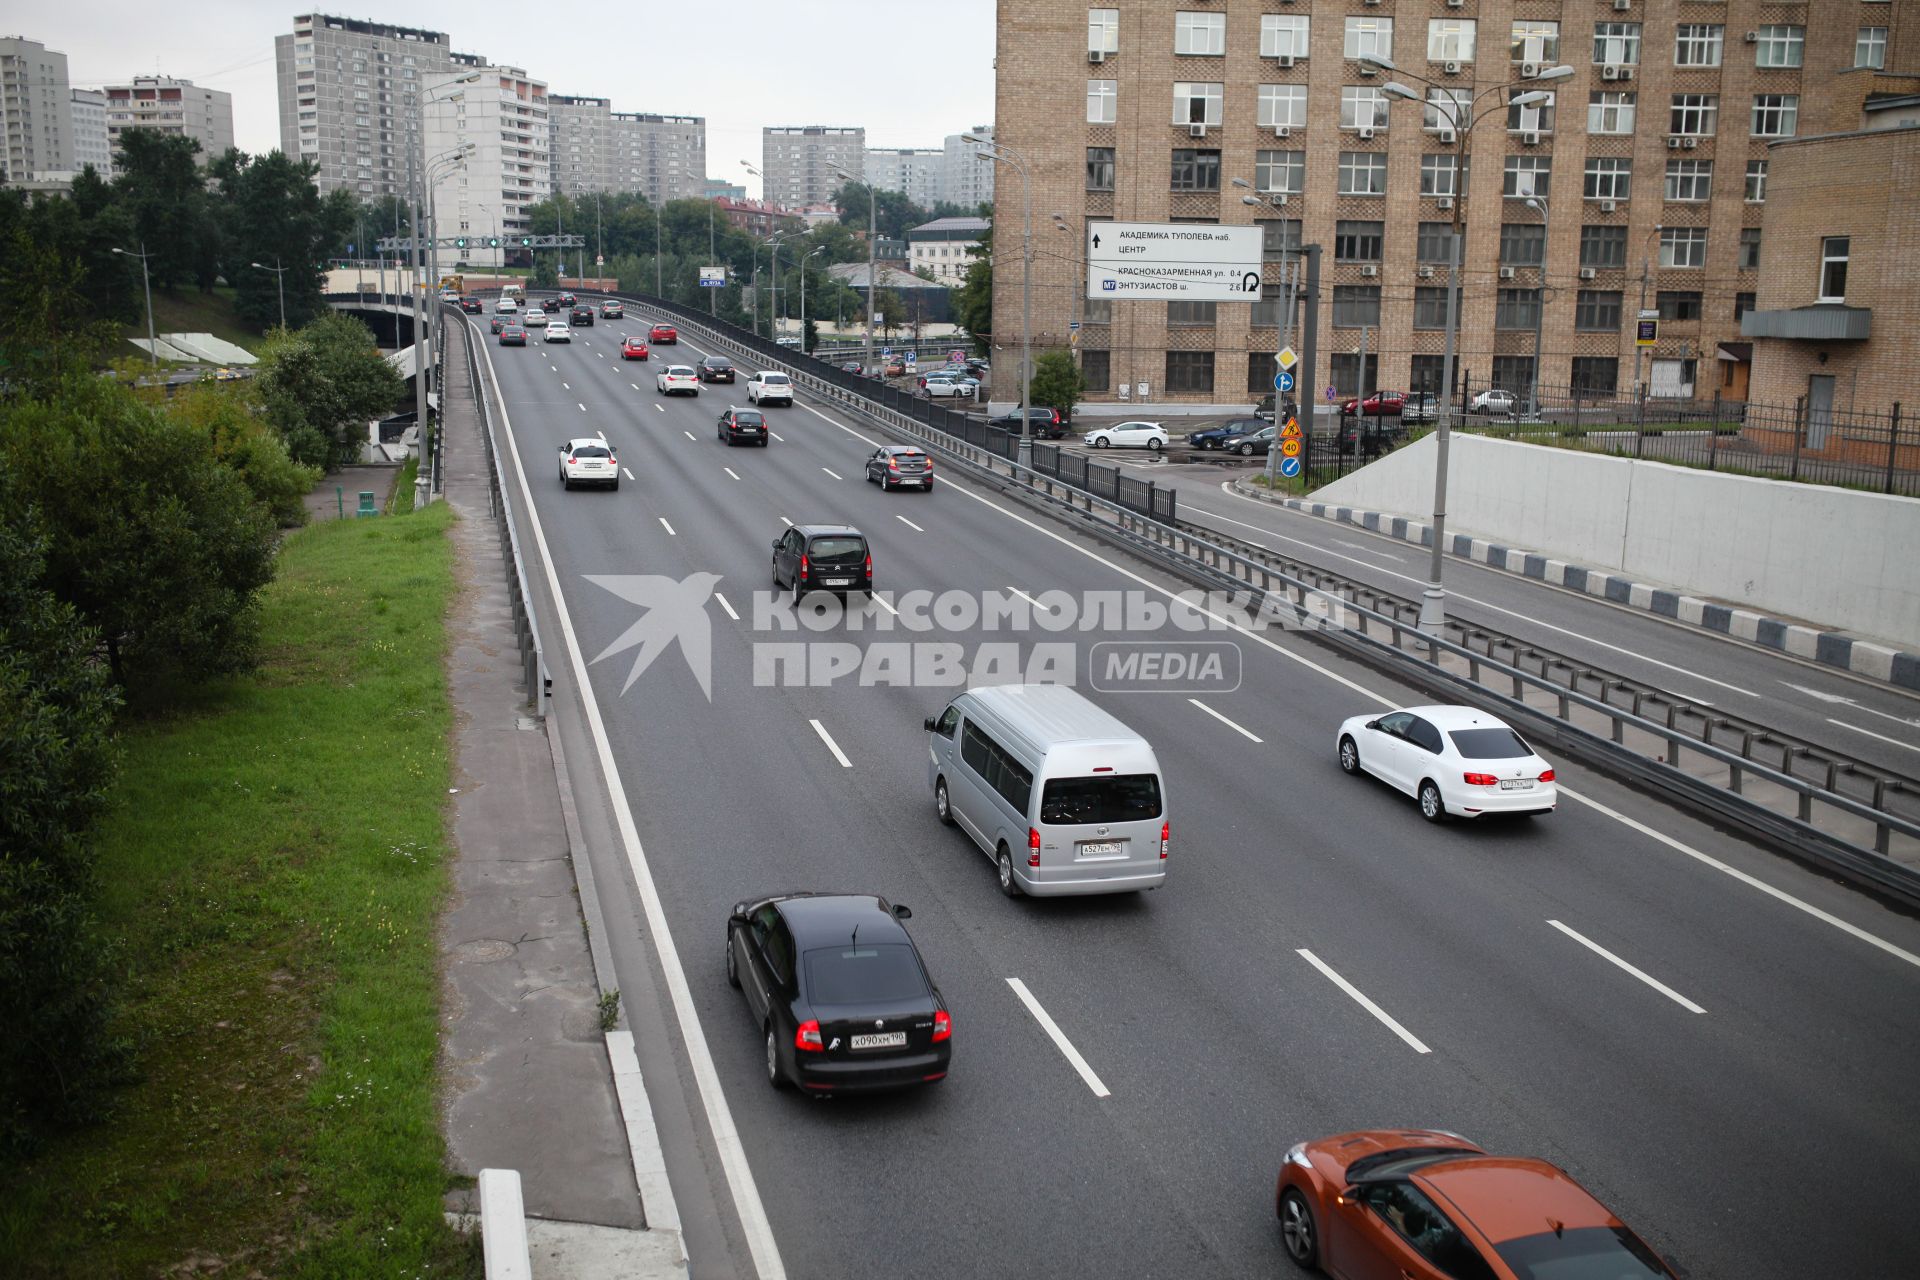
x=1646, y=270
x=713, y=300
x=153, y=342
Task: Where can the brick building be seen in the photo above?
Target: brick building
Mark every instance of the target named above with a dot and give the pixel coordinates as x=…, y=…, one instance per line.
x=1652, y=155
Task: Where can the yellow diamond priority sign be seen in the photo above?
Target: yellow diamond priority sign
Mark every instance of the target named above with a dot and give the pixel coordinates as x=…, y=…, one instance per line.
x=1286, y=359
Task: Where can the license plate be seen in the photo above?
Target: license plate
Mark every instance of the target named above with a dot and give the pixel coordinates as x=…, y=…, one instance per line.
x=1515, y=784
x=836, y=582
x=1098, y=848
x=880, y=1040
x=909, y=479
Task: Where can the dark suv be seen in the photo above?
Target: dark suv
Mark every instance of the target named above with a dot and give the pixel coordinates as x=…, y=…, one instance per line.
x=1043, y=423
x=822, y=557
x=581, y=316
x=716, y=369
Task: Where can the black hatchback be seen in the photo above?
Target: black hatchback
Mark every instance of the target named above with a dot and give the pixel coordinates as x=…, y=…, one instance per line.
x=749, y=425
x=823, y=557
x=716, y=369
x=1214, y=437
x=839, y=992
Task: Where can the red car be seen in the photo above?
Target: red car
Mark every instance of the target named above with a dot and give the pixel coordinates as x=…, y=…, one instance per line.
x=663, y=333
x=1425, y=1204
x=1380, y=402
x=513, y=336
x=470, y=305
x=633, y=349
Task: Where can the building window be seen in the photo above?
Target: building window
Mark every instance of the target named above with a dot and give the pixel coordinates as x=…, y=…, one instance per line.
x=1349, y=379
x=1446, y=108
x=1533, y=117
x=1610, y=111
x=1679, y=304
x=1103, y=31
x=1189, y=372
x=1742, y=303
x=1749, y=249
x=1689, y=179
x=1528, y=176
x=1756, y=182
x=1363, y=173
x=1280, y=172
x=1426, y=372
x=1097, y=311
x=1204, y=34
x=1196, y=102
x=1694, y=114
x=1283, y=104
x=1429, y=307
x=1450, y=39
x=1266, y=315
x=1596, y=375
x=1535, y=41
x=1870, y=48
x=1191, y=315
x=1603, y=248
x=1698, y=44
x=1099, y=168
x=1096, y=367
x=1616, y=43
x=1515, y=373
x=1357, y=241
x=1434, y=243
x=1355, y=305
x=1775, y=115
x=1195, y=170
x=1835, y=251
x=1439, y=175
x=1369, y=37
x=1103, y=101
x=1523, y=244
x=1597, y=311
x=1283, y=35
x=1362, y=107
x=1683, y=247
x=1780, y=46
x=1516, y=308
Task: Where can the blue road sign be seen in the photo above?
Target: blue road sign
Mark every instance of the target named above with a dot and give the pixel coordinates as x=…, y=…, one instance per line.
x=1289, y=467
x=1283, y=381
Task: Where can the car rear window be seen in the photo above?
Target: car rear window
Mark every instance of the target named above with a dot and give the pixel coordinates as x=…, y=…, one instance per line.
x=1489, y=744
x=836, y=548
x=718, y=363
x=1581, y=1253
x=679, y=371
x=871, y=974
x=1120, y=797
x=774, y=379
x=591, y=451
x=752, y=417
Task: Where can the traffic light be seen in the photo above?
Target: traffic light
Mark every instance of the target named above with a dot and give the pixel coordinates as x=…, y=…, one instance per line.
x=459, y=242
x=526, y=242
x=493, y=242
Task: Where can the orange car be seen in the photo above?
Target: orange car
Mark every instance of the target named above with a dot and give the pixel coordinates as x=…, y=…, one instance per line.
x=1426, y=1204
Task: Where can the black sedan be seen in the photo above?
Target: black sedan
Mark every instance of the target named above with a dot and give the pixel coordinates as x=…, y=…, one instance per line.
x=471, y=306
x=549, y=305
x=749, y=425
x=1213, y=437
x=716, y=369
x=839, y=992
x=581, y=317
x=1249, y=443
x=513, y=336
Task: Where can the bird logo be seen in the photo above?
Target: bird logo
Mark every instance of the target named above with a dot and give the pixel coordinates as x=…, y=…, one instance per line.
x=674, y=610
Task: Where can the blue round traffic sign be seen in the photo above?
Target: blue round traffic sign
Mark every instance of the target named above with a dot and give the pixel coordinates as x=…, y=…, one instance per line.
x=1289, y=467
x=1283, y=381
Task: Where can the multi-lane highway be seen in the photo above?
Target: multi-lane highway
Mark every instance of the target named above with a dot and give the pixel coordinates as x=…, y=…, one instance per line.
x=1717, y=1042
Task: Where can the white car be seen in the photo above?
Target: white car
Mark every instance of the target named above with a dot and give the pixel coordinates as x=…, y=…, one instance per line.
x=770, y=387
x=588, y=460
x=949, y=384
x=676, y=378
x=1493, y=401
x=1128, y=435
x=557, y=331
x=506, y=307
x=1454, y=760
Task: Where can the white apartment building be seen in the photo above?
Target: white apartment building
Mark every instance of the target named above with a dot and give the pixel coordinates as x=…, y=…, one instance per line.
x=502, y=114
x=916, y=172
x=90, y=145
x=945, y=247
x=177, y=107
x=966, y=178
x=799, y=165
x=36, y=112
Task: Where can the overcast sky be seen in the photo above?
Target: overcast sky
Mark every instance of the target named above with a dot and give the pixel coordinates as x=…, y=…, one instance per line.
x=910, y=73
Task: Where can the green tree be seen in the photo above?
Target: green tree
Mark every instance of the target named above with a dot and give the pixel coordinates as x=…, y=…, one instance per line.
x=245, y=442
x=973, y=304
x=890, y=310
x=896, y=214
x=56, y=762
x=272, y=213
x=1057, y=381
x=320, y=386
x=48, y=329
x=161, y=187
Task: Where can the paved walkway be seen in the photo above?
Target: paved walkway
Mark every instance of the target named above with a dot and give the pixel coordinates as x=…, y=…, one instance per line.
x=338, y=492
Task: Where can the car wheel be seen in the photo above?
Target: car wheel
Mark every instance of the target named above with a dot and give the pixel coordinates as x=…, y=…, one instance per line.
x=886, y=485
x=774, y=1077
x=1431, y=806
x=942, y=806
x=1349, y=756
x=1101, y=442
x=1246, y=451
x=616, y=484
x=798, y=595
x=1008, y=885
x=1154, y=446
x=733, y=974
x=776, y=573
x=927, y=487
x=1297, y=1231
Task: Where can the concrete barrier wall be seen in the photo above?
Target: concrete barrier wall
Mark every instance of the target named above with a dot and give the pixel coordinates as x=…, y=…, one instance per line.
x=1831, y=556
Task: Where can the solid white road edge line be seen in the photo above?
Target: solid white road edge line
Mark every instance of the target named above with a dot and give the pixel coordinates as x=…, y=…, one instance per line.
x=1360, y=997
x=754, y=1224
x=1250, y=737
x=1607, y=955
x=1059, y=1038
x=1871, y=734
x=643, y=1140
x=724, y=605
x=832, y=746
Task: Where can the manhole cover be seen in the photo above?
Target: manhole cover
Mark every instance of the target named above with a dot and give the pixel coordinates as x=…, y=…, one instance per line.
x=483, y=950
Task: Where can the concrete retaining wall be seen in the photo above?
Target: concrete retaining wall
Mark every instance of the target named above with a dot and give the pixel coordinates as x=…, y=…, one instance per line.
x=1836, y=557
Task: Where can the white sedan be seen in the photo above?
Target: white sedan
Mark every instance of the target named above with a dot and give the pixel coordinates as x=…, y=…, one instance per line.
x=676, y=378
x=1454, y=760
x=1128, y=435
x=557, y=331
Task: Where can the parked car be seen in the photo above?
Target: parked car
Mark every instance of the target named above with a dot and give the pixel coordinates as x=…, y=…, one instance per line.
x=839, y=991
x=557, y=331
x=1371, y=436
x=850, y=366
x=676, y=378
x=662, y=333
x=749, y=425
x=1378, y=404
x=1249, y=443
x=1494, y=400
x=581, y=316
x=716, y=369
x=470, y=305
x=1265, y=408
x=769, y=386
x=1128, y=435
x=634, y=347
x=1420, y=406
x=823, y=557
x=1454, y=760
x=513, y=335
x=1043, y=422
x=901, y=466
x=613, y=311
x=1213, y=437
x=896, y=368
x=588, y=460
x=947, y=386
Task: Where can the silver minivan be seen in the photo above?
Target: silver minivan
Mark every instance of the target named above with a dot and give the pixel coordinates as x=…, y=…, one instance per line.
x=1062, y=797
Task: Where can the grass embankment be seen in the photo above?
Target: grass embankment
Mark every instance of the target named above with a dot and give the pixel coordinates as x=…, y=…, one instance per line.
x=272, y=868
x=187, y=310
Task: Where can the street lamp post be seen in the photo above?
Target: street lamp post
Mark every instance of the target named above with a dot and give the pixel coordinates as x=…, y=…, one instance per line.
x=1540, y=202
x=991, y=150
x=280, y=281
x=153, y=341
x=1433, y=601
x=803, y=296
x=873, y=244
x=1646, y=269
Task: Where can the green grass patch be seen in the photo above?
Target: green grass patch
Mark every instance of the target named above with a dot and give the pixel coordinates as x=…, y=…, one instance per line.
x=273, y=867
x=400, y=497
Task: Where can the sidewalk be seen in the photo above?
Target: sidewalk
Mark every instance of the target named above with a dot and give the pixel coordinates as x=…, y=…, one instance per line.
x=529, y=1084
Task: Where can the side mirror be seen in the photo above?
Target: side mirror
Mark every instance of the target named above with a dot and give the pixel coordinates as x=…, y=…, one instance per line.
x=1373, y=724
x=929, y=724
x=563, y=448
x=901, y=911
x=776, y=544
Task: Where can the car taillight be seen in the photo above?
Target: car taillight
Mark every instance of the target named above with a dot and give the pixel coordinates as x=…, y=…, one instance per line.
x=928, y=466
x=1033, y=846
x=803, y=566
x=893, y=464
x=1166, y=837
x=806, y=1037
x=942, y=1025
x=869, y=564
x=571, y=461
x=1547, y=776
x=1480, y=779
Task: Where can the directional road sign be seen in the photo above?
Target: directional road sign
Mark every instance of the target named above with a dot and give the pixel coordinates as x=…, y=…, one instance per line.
x=1283, y=381
x=713, y=277
x=1178, y=261
x=1289, y=467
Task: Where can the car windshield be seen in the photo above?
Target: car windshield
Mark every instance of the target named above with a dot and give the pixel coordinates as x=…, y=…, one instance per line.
x=1489, y=744
x=874, y=974
x=836, y=548
x=1581, y=1253
x=1121, y=797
